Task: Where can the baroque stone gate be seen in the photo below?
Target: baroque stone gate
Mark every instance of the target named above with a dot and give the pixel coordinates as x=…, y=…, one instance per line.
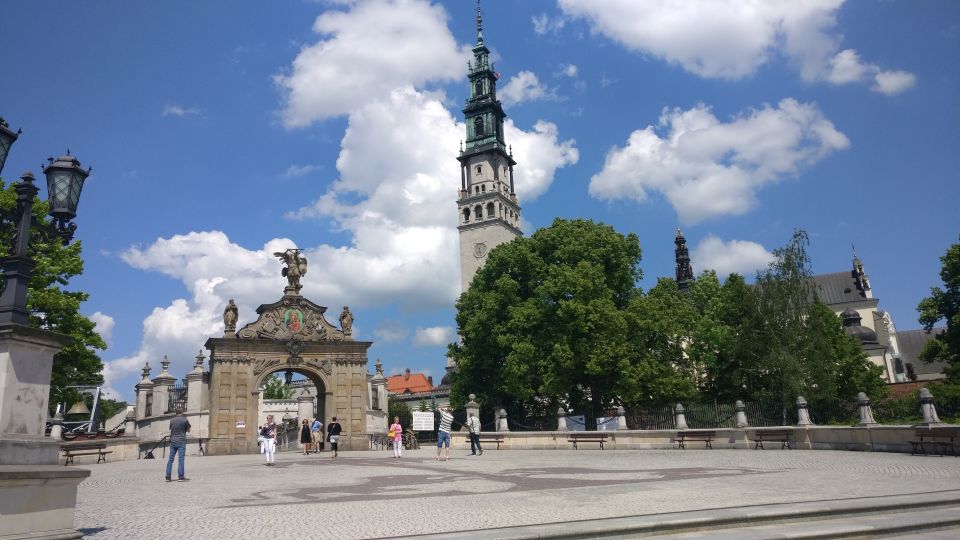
x=291, y=334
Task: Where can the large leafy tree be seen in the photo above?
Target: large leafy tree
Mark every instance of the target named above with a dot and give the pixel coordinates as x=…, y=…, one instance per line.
x=275, y=388
x=944, y=305
x=546, y=322
x=53, y=307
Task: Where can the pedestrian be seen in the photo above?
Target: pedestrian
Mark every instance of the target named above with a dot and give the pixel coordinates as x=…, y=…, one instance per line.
x=396, y=433
x=268, y=440
x=179, y=426
x=473, y=424
x=316, y=435
x=305, y=437
x=333, y=434
x=443, y=434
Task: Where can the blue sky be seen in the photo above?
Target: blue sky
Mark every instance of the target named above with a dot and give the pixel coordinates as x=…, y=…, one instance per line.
x=220, y=132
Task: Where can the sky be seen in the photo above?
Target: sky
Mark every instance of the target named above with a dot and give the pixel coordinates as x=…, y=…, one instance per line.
x=220, y=132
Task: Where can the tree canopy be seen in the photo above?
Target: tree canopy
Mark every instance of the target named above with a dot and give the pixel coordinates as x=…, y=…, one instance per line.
x=53, y=307
x=944, y=305
x=557, y=319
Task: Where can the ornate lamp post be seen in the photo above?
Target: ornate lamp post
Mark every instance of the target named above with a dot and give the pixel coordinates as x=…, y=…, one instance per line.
x=44, y=493
x=64, y=182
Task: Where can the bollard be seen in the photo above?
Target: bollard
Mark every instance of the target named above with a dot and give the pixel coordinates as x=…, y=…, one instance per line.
x=681, y=419
x=502, y=421
x=866, y=413
x=803, y=415
x=56, y=432
x=561, y=419
x=740, y=414
x=621, y=418
x=927, y=407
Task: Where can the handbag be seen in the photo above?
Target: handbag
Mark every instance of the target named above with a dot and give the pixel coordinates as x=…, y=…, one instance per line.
x=391, y=434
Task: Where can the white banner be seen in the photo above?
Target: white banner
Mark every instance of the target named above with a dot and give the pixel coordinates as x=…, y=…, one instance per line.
x=576, y=423
x=607, y=423
x=423, y=420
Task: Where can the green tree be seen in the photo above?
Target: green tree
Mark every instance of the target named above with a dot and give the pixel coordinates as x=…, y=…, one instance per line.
x=546, y=321
x=397, y=408
x=944, y=304
x=274, y=388
x=54, y=308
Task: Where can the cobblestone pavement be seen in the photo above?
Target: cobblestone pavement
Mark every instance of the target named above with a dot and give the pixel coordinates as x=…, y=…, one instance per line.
x=370, y=494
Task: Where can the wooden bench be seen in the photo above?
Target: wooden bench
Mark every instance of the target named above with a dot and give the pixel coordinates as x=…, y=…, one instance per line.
x=695, y=435
x=772, y=435
x=70, y=451
x=587, y=436
x=491, y=437
x=939, y=437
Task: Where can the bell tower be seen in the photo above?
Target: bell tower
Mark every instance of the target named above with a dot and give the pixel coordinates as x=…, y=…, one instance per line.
x=487, y=206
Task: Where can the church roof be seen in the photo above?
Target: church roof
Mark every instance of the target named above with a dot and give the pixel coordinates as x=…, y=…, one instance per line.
x=408, y=382
x=838, y=288
x=911, y=342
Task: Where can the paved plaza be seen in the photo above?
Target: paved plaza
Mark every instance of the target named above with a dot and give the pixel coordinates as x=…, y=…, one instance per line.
x=370, y=494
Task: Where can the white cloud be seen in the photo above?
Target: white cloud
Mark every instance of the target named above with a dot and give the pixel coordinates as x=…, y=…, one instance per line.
x=177, y=110
x=730, y=39
x=740, y=256
x=299, y=170
x=524, y=86
x=367, y=52
x=570, y=70
x=103, y=324
x=893, y=82
x=543, y=23
x=707, y=168
x=433, y=336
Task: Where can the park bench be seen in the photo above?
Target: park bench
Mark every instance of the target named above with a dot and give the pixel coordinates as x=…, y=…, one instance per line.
x=70, y=451
x=772, y=435
x=587, y=436
x=939, y=437
x=491, y=437
x=695, y=435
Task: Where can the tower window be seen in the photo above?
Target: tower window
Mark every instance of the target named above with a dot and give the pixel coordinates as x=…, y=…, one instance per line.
x=476, y=189
x=466, y=215
x=478, y=88
x=478, y=125
x=483, y=188
x=489, y=210
x=479, y=168
x=479, y=212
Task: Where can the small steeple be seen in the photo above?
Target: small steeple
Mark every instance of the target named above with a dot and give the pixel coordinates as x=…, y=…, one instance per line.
x=859, y=276
x=683, y=267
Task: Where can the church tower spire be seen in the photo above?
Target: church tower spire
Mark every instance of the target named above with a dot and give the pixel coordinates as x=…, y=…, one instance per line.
x=684, y=270
x=487, y=205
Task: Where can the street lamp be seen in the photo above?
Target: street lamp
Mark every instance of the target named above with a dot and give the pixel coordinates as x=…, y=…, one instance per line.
x=65, y=180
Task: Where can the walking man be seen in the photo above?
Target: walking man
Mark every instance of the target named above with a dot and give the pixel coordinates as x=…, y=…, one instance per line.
x=473, y=424
x=316, y=432
x=179, y=426
x=443, y=434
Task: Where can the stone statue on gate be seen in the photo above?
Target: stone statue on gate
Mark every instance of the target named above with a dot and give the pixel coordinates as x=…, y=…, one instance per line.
x=230, y=318
x=296, y=267
x=346, y=321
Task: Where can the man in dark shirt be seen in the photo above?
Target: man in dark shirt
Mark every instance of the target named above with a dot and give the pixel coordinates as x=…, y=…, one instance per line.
x=179, y=426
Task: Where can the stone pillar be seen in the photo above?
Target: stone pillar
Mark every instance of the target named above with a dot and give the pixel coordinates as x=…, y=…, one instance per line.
x=680, y=417
x=305, y=408
x=927, y=407
x=144, y=388
x=161, y=388
x=866, y=413
x=740, y=414
x=502, y=420
x=378, y=386
x=472, y=406
x=803, y=415
x=38, y=498
x=195, y=386
x=621, y=418
x=130, y=424
x=561, y=419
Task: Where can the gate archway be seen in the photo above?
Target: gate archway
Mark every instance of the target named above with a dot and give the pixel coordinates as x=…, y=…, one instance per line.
x=291, y=334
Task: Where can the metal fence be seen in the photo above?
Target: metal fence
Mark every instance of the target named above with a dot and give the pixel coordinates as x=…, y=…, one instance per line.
x=178, y=398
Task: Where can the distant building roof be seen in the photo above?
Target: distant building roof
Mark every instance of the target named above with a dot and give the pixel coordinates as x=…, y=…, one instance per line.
x=409, y=383
x=911, y=342
x=838, y=288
